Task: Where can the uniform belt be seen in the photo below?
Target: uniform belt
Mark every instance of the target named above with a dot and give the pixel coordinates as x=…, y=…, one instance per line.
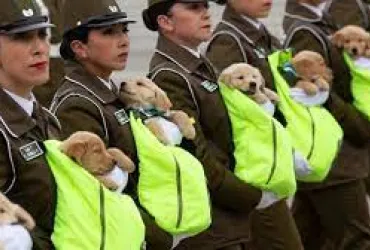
x=54, y=50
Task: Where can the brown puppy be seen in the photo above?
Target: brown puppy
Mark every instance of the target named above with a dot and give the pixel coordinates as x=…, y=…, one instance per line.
x=13, y=214
x=142, y=93
x=353, y=39
x=88, y=150
x=249, y=80
x=312, y=71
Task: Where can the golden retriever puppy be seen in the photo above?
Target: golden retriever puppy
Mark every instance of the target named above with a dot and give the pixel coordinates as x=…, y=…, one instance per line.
x=13, y=214
x=144, y=95
x=15, y=224
x=88, y=150
x=249, y=80
x=353, y=39
x=312, y=72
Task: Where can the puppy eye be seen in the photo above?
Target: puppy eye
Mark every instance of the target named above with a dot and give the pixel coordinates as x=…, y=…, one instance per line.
x=347, y=41
x=241, y=78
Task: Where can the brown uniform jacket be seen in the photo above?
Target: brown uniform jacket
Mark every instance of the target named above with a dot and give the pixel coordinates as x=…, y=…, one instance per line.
x=346, y=12
x=183, y=76
x=241, y=42
x=83, y=102
x=306, y=31
x=28, y=181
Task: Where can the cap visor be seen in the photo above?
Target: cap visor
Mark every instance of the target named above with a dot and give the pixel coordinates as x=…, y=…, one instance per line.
x=30, y=27
x=110, y=22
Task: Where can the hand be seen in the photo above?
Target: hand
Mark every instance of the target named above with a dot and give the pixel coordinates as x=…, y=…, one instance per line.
x=267, y=200
x=178, y=238
x=302, y=167
x=15, y=237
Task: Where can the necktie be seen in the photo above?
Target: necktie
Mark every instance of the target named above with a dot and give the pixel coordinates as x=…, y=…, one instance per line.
x=114, y=87
x=40, y=121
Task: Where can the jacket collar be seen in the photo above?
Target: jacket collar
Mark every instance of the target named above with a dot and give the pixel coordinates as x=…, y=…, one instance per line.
x=92, y=84
x=177, y=54
x=14, y=118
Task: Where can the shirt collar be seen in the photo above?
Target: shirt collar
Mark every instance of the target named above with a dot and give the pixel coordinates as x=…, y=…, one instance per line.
x=196, y=53
x=26, y=104
x=318, y=10
x=108, y=84
x=254, y=22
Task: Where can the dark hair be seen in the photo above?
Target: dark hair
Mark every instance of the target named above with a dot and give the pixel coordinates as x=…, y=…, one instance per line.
x=80, y=34
x=150, y=15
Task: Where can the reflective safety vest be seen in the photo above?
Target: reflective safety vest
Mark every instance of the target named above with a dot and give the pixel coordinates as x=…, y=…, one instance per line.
x=172, y=185
x=360, y=86
x=263, y=150
x=89, y=216
x=314, y=131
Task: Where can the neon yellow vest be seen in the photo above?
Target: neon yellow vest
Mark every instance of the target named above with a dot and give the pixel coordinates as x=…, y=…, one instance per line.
x=89, y=216
x=314, y=131
x=360, y=86
x=263, y=150
x=172, y=186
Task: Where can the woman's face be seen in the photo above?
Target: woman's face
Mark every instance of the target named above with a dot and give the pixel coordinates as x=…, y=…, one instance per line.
x=24, y=59
x=190, y=23
x=106, y=49
x=252, y=8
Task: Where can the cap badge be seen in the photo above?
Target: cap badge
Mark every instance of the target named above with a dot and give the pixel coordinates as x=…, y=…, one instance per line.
x=28, y=12
x=113, y=8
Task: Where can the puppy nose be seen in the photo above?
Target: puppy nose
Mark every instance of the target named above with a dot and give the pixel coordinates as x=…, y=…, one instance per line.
x=354, y=51
x=253, y=84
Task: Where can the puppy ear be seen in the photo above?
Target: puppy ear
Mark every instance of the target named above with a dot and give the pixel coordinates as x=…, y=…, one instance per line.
x=123, y=161
x=162, y=99
x=225, y=78
x=338, y=39
x=24, y=217
x=328, y=76
x=74, y=149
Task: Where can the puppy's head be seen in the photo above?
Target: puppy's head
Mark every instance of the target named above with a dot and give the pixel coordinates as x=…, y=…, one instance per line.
x=309, y=64
x=352, y=39
x=142, y=92
x=89, y=151
x=13, y=214
x=243, y=77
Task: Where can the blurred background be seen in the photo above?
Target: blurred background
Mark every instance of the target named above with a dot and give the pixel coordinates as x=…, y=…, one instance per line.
x=143, y=41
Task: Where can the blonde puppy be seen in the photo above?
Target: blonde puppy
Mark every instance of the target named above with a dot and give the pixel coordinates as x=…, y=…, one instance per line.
x=143, y=95
x=249, y=80
x=107, y=165
x=313, y=74
x=353, y=39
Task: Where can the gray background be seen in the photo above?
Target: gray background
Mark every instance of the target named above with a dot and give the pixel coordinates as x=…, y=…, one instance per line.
x=143, y=41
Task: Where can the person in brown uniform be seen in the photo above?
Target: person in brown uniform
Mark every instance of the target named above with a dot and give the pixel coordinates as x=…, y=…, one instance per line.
x=94, y=44
x=335, y=210
x=351, y=12
x=45, y=93
x=25, y=177
x=191, y=83
x=243, y=38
